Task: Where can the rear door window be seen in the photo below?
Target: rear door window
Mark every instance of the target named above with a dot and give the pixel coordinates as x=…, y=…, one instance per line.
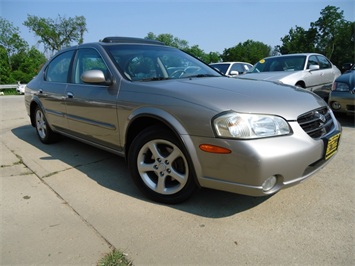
x=58, y=68
x=323, y=62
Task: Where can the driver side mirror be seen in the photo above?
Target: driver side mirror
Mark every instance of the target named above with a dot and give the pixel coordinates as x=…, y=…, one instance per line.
x=234, y=73
x=95, y=77
x=313, y=67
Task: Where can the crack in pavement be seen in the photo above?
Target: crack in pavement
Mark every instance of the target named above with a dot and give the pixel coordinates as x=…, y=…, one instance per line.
x=42, y=180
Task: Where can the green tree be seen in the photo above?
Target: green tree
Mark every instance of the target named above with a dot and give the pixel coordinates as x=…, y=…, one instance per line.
x=10, y=40
x=27, y=64
x=59, y=33
x=195, y=50
x=275, y=51
x=5, y=70
x=213, y=57
x=18, y=62
x=169, y=40
x=299, y=40
x=328, y=29
x=331, y=35
x=249, y=51
x=344, y=49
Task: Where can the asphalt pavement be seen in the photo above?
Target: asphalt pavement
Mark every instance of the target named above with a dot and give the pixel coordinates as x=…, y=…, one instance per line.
x=69, y=203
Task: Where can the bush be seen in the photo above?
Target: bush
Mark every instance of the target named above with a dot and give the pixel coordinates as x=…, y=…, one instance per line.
x=114, y=258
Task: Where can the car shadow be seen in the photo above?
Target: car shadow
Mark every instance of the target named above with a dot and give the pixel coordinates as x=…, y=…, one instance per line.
x=346, y=120
x=110, y=171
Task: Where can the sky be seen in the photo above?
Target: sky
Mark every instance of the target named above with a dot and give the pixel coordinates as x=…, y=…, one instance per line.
x=212, y=25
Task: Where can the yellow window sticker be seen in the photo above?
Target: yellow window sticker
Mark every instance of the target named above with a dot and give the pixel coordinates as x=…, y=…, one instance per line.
x=262, y=61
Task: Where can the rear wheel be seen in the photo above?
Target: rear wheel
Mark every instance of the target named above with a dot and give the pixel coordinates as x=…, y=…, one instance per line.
x=300, y=85
x=160, y=167
x=45, y=134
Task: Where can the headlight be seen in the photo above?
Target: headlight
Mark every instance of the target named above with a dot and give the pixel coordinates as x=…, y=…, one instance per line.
x=250, y=126
x=340, y=86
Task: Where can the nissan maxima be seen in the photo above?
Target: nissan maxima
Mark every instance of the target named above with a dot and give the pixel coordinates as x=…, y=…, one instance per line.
x=178, y=122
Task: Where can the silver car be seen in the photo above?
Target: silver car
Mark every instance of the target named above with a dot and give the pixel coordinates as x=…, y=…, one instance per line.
x=232, y=69
x=179, y=123
x=310, y=71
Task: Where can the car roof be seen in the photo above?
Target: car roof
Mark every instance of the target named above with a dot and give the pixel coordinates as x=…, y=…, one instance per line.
x=296, y=54
x=230, y=63
x=114, y=40
x=131, y=40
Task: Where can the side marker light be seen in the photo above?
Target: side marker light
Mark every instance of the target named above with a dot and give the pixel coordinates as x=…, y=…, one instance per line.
x=214, y=149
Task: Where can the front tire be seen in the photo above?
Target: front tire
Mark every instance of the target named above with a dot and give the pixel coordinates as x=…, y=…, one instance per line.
x=44, y=132
x=160, y=167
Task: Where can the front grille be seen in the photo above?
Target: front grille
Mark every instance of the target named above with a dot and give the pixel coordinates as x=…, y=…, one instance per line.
x=316, y=123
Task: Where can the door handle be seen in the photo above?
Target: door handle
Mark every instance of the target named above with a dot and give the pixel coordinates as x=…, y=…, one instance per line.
x=70, y=95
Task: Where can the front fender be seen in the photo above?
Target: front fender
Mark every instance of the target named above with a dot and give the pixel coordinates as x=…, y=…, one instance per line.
x=152, y=115
x=159, y=114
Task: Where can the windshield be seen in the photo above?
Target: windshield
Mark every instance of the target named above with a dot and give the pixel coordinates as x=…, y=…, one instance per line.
x=280, y=63
x=221, y=67
x=150, y=62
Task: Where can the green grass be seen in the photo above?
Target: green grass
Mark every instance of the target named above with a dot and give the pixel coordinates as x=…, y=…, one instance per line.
x=10, y=92
x=115, y=258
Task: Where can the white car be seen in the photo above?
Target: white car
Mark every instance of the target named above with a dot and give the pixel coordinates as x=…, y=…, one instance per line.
x=232, y=69
x=21, y=88
x=311, y=71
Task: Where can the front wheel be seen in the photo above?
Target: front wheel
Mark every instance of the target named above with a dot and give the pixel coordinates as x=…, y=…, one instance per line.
x=160, y=167
x=44, y=132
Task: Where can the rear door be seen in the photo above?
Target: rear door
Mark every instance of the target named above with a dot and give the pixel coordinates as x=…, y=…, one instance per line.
x=327, y=77
x=327, y=71
x=52, y=89
x=91, y=108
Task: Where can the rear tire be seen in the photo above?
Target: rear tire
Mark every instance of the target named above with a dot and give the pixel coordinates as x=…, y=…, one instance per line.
x=300, y=85
x=44, y=132
x=160, y=167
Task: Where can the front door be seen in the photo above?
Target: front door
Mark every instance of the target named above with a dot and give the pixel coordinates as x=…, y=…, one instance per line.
x=91, y=108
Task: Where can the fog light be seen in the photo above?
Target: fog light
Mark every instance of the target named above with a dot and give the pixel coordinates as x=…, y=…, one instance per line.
x=269, y=183
x=336, y=105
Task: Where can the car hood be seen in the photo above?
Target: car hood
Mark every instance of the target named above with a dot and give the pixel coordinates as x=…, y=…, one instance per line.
x=270, y=76
x=248, y=96
x=348, y=77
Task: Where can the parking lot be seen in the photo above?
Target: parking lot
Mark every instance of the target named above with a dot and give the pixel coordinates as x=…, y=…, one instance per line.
x=70, y=203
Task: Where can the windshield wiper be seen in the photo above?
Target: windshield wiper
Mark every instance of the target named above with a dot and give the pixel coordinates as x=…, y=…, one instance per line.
x=201, y=76
x=154, y=79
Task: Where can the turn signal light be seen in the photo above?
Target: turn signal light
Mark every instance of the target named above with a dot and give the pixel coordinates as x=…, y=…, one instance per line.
x=214, y=149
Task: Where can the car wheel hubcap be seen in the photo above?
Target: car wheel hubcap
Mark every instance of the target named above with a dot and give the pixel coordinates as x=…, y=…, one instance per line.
x=163, y=167
x=41, y=125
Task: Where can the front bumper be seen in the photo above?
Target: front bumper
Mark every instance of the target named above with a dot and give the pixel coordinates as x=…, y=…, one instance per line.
x=344, y=102
x=292, y=159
